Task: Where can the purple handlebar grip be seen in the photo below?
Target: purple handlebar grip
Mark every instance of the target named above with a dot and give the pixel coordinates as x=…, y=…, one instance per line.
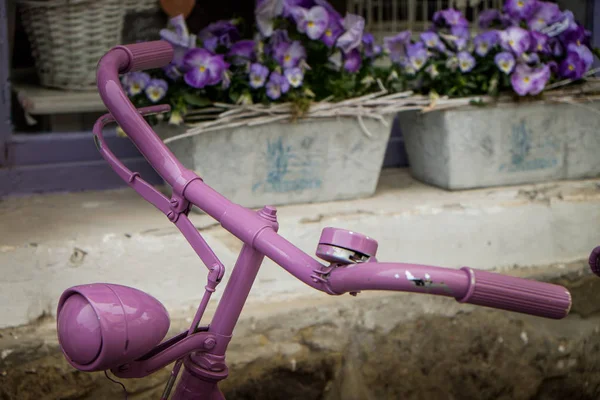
x=594, y=261
x=515, y=294
x=148, y=55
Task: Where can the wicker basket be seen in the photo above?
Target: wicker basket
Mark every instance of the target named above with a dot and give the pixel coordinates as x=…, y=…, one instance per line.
x=68, y=37
x=140, y=5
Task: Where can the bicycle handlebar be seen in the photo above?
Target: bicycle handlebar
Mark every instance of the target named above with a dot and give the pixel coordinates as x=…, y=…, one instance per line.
x=148, y=55
x=465, y=285
x=510, y=293
x=123, y=59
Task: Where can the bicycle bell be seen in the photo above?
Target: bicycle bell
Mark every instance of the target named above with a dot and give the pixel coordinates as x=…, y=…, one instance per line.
x=340, y=246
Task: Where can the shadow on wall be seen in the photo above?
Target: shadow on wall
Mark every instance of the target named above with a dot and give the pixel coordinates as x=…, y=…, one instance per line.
x=395, y=155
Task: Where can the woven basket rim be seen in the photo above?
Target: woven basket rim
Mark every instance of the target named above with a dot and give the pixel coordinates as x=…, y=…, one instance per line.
x=51, y=3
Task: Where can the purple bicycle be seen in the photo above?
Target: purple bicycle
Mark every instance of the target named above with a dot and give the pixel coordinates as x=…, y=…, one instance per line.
x=106, y=326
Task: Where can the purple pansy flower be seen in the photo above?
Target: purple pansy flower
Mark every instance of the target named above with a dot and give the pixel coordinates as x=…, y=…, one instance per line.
x=573, y=31
x=527, y=80
x=352, y=61
x=488, y=17
x=172, y=72
x=265, y=12
x=520, y=9
x=312, y=22
x=277, y=37
x=333, y=13
x=277, y=85
x=181, y=37
x=507, y=21
x=396, y=46
x=281, y=80
x=354, y=26
x=295, y=76
x=136, y=82
x=290, y=5
x=211, y=43
x=460, y=37
x=417, y=56
x=242, y=52
x=203, y=68
x=484, y=42
x=258, y=75
x=572, y=67
x=539, y=43
x=505, y=62
x=450, y=18
x=530, y=58
x=181, y=40
x=371, y=49
x=545, y=14
x=288, y=54
x=556, y=47
x=333, y=32
x=466, y=62
x=224, y=31
x=516, y=39
x=460, y=31
x=460, y=43
x=584, y=53
x=156, y=90
x=273, y=89
x=432, y=41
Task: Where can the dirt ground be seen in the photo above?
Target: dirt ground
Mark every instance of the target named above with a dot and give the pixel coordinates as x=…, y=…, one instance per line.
x=482, y=355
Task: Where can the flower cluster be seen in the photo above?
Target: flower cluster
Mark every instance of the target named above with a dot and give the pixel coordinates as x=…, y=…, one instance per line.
x=522, y=47
x=303, y=50
x=137, y=83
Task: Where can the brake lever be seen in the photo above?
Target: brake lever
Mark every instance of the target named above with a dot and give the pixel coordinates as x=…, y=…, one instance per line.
x=176, y=209
x=132, y=179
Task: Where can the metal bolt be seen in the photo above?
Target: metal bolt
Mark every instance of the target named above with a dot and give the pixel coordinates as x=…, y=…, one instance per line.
x=270, y=210
x=210, y=343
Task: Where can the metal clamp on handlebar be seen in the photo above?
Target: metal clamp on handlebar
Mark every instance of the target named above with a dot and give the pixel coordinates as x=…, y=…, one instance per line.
x=341, y=247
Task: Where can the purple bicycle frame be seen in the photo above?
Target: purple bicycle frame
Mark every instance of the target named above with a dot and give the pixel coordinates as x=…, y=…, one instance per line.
x=202, y=350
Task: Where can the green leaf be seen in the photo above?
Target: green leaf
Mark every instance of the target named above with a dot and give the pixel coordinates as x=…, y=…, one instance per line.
x=196, y=100
x=477, y=103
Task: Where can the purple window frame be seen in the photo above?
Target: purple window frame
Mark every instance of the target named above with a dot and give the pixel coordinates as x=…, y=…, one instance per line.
x=52, y=162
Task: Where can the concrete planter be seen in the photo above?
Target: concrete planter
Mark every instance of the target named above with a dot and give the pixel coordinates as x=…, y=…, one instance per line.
x=286, y=163
x=503, y=145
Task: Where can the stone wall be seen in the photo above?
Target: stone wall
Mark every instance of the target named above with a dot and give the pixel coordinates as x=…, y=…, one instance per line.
x=374, y=346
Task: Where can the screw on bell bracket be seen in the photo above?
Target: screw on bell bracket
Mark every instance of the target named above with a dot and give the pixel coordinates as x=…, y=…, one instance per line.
x=343, y=247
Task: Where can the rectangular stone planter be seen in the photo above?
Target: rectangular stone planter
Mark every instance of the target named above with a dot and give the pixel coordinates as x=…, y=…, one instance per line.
x=504, y=144
x=285, y=163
